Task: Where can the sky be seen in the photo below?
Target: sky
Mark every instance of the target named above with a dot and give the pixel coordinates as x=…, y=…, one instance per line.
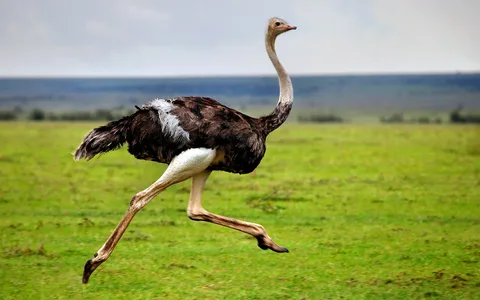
x=219, y=37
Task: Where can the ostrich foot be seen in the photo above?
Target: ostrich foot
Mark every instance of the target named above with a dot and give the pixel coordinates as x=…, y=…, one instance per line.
x=265, y=243
x=90, y=266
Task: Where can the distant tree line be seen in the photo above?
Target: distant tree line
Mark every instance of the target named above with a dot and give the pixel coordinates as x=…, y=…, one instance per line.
x=42, y=115
x=399, y=118
x=456, y=116
x=8, y=115
x=320, y=118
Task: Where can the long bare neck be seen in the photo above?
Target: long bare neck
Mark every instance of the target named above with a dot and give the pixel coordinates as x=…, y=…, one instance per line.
x=282, y=110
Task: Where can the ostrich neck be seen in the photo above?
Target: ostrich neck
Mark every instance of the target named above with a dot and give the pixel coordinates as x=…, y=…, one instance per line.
x=285, y=101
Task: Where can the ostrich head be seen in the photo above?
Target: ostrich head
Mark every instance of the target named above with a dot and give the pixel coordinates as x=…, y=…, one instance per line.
x=277, y=26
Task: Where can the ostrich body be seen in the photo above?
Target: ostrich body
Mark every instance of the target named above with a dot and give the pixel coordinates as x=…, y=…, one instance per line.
x=194, y=136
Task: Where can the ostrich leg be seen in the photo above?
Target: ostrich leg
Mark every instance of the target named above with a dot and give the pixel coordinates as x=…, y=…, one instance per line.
x=196, y=212
x=182, y=167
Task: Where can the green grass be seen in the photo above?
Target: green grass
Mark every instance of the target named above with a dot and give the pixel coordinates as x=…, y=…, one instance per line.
x=367, y=212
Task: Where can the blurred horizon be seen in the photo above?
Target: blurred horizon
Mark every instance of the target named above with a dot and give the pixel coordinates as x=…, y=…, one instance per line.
x=392, y=92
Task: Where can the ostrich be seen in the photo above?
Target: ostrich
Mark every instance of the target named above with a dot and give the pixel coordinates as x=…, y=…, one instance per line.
x=194, y=136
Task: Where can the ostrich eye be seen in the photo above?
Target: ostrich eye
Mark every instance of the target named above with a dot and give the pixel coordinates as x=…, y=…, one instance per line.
x=277, y=23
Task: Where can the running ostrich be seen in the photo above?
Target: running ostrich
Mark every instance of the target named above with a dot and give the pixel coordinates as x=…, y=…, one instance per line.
x=194, y=136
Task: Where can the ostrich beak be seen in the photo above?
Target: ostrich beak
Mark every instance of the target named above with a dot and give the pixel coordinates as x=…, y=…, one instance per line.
x=289, y=27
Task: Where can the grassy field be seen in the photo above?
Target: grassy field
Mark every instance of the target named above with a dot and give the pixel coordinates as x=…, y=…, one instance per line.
x=367, y=212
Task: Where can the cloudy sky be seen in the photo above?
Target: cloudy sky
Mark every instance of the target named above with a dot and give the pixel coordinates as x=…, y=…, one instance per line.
x=212, y=37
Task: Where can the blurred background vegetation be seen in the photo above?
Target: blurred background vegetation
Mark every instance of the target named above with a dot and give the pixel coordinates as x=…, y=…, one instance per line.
x=420, y=98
